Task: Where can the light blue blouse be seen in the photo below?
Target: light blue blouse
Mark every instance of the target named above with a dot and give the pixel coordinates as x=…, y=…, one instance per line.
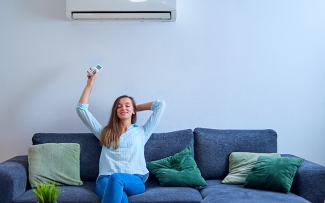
x=129, y=156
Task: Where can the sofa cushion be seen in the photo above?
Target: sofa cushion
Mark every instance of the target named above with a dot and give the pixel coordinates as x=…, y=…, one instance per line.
x=240, y=164
x=79, y=194
x=157, y=193
x=225, y=193
x=273, y=173
x=179, y=170
x=89, y=150
x=58, y=162
x=162, y=145
x=154, y=193
x=213, y=147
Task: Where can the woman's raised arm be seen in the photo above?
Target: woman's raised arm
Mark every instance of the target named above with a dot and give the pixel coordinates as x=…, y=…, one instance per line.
x=82, y=108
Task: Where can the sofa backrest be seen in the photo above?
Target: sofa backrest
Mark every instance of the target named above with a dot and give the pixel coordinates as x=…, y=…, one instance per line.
x=213, y=147
x=162, y=145
x=89, y=150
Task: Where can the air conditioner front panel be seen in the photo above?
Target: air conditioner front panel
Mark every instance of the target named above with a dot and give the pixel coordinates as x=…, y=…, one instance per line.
x=92, y=10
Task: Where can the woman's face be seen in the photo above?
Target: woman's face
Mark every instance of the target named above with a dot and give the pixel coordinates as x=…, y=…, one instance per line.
x=125, y=109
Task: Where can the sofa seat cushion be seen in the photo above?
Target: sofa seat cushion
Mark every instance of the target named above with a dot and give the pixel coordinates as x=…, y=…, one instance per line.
x=71, y=194
x=216, y=191
x=155, y=193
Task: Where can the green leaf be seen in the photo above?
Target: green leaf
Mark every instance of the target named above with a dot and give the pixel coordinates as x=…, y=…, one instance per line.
x=47, y=193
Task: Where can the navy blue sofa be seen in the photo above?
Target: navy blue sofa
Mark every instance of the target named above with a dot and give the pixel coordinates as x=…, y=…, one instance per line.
x=211, y=149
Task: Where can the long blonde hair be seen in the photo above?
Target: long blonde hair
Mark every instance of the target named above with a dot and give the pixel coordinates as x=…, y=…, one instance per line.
x=113, y=130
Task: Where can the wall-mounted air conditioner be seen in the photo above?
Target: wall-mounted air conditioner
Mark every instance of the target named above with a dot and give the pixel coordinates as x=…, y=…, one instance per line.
x=139, y=10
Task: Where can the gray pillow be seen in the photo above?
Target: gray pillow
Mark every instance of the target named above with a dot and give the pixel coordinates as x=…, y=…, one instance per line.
x=54, y=162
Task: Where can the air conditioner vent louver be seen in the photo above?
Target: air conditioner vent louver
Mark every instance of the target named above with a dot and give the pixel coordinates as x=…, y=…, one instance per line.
x=121, y=15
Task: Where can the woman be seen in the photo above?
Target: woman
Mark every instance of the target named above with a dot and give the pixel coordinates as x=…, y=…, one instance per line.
x=122, y=166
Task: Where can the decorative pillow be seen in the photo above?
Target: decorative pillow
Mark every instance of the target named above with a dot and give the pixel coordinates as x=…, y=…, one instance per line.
x=177, y=170
x=240, y=163
x=52, y=162
x=272, y=173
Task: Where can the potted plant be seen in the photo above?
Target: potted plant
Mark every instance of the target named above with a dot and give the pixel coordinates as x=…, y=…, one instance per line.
x=47, y=193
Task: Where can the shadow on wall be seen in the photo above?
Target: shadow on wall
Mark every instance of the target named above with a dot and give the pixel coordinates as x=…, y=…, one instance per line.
x=44, y=9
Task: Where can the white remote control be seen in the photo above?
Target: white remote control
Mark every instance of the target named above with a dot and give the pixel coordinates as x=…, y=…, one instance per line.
x=93, y=70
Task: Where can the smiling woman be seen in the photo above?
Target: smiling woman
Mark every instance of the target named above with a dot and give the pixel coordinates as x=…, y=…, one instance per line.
x=122, y=116
x=122, y=166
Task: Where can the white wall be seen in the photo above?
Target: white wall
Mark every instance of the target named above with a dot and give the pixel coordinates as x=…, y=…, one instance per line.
x=222, y=64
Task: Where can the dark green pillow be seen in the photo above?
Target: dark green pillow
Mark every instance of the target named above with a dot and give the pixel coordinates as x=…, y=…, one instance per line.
x=273, y=173
x=177, y=170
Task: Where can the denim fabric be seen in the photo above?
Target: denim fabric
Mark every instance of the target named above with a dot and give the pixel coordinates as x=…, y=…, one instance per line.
x=117, y=187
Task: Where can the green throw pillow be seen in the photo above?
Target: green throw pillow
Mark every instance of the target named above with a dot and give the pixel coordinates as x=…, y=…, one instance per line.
x=177, y=170
x=272, y=173
x=52, y=162
x=240, y=164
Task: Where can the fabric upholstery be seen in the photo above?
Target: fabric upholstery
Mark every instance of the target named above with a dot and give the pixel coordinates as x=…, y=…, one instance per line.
x=161, y=145
x=89, y=150
x=309, y=176
x=273, y=173
x=217, y=192
x=240, y=164
x=309, y=182
x=179, y=170
x=157, y=193
x=213, y=147
x=14, y=178
x=154, y=193
x=71, y=194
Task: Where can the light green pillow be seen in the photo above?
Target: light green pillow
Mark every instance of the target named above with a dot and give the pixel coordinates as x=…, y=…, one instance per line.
x=177, y=170
x=54, y=162
x=240, y=163
x=273, y=173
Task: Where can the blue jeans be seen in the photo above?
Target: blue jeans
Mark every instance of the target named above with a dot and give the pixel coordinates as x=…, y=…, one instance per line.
x=117, y=187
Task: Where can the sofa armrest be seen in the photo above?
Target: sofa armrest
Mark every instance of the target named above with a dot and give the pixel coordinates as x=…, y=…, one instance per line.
x=309, y=181
x=14, y=178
